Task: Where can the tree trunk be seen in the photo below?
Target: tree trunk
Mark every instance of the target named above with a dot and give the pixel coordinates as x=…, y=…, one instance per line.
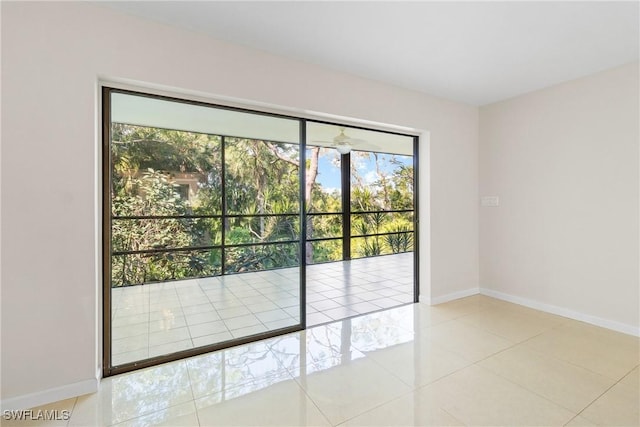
x=311, y=175
x=383, y=181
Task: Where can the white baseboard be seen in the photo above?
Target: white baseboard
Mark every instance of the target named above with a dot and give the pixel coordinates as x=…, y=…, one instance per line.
x=565, y=312
x=454, y=295
x=51, y=395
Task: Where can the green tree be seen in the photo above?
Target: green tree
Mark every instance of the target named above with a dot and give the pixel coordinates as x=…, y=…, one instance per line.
x=162, y=173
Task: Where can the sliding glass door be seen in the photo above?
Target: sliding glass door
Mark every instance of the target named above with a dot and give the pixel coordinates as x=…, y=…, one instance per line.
x=223, y=226
x=361, y=211
x=202, y=228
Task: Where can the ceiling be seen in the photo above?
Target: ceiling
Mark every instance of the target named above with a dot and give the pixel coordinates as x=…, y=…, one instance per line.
x=472, y=52
x=160, y=113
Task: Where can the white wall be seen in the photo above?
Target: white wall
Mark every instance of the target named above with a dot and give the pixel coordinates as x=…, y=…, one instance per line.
x=52, y=57
x=564, y=162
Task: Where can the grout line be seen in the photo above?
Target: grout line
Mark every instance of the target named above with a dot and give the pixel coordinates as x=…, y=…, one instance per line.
x=334, y=282
x=378, y=406
x=452, y=416
x=605, y=392
x=554, y=358
x=569, y=362
x=528, y=390
x=73, y=408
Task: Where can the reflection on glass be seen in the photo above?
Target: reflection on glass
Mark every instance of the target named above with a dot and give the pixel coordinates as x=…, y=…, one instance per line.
x=382, y=329
x=146, y=391
x=318, y=349
x=234, y=372
x=339, y=343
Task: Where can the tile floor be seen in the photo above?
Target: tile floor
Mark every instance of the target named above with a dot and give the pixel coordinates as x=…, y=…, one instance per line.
x=162, y=318
x=474, y=361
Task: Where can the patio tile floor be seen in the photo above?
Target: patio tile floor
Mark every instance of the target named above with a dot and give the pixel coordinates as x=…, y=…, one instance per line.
x=161, y=318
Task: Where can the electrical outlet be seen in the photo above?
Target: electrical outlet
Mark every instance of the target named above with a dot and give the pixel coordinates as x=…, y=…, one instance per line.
x=490, y=201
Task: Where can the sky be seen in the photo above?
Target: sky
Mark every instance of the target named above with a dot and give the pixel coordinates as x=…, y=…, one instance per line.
x=329, y=169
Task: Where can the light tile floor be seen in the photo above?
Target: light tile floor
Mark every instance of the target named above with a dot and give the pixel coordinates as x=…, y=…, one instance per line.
x=162, y=318
x=474, y=361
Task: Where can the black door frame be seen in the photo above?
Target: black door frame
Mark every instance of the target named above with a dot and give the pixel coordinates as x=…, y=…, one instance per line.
x=107, y=368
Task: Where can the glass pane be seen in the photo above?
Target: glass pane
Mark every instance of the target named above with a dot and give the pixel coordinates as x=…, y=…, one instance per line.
x=323, y=180
x=137, y=269
x=261, y=257
x=325, y=250
x=369, y=246
x=262, y=229
x=159, y=171
x=166, y=170
x=381, y=181
x=381, y=222
x=261, y=177
x=322, y=226
x=164, y=233
x=399, y=242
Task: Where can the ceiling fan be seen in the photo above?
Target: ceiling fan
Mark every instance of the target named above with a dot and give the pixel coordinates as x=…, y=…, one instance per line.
x=343, y=143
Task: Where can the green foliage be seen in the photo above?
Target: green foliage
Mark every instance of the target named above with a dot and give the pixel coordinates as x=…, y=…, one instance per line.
x=326, y=250
x=159, y=172
x=137, y=147
x=261, y=177
x=401, y=241
x=153, y=193
x=370, y=223
x=257, y=258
